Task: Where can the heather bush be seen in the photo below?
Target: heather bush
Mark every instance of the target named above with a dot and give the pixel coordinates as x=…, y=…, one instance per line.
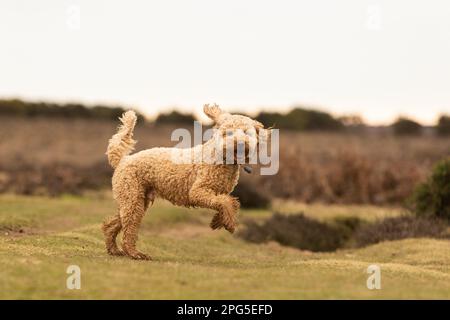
x=397, y=228
x=250, y=196
x=294, y=230
x=302, y=232
x=432, y=198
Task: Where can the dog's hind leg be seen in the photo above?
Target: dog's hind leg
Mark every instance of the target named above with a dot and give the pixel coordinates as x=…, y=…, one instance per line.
x=111, y=229
x=132, y=210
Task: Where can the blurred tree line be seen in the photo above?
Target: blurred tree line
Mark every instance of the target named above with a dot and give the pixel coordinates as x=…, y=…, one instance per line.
x=175, y=117
x=27, y=109
x=298, y=119
x=301, y=119
x=407, y=127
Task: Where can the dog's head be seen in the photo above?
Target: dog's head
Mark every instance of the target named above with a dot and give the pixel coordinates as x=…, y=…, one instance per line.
x=238, y=135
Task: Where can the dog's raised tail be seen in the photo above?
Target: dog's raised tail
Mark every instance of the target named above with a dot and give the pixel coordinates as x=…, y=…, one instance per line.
x=121, y=144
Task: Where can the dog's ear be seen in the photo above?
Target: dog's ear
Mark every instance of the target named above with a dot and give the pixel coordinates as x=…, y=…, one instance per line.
x=264, y=135
x=213, y=112
x=258, y=125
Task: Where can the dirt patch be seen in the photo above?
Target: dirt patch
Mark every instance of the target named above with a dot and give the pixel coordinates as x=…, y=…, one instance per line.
x=16, y=232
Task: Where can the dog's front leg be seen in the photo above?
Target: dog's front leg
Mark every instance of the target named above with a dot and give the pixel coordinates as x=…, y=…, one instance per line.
x=225, y=205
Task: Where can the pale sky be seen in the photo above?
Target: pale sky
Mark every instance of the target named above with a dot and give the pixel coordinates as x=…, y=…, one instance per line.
x=372, y=57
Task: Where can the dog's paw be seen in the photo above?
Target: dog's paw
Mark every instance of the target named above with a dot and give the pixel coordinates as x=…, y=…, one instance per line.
x=139, y=256
x=116, y=252
x=136, y=255
x=230, y=228
x=216, y=222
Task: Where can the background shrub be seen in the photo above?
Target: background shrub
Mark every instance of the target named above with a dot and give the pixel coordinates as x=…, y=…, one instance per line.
x=432, y=198
x=443, y=126
x=299, y=231
x=269, y=119
x=250, y=196
x=397, y=228
x=301, y=119
x=406, y=127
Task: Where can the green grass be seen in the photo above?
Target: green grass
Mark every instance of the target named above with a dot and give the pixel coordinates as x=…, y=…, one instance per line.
x=40, y=237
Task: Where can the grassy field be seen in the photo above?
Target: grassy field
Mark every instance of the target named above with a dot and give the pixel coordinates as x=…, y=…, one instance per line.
x=40, y=237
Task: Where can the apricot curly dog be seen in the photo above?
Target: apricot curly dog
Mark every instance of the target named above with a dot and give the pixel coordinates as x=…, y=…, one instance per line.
x=139, y=178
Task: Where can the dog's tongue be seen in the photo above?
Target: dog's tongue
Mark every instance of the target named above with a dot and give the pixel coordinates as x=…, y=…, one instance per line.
x=248, y=169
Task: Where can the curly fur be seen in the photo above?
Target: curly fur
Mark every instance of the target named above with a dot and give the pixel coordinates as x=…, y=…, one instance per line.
x=141, y=177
